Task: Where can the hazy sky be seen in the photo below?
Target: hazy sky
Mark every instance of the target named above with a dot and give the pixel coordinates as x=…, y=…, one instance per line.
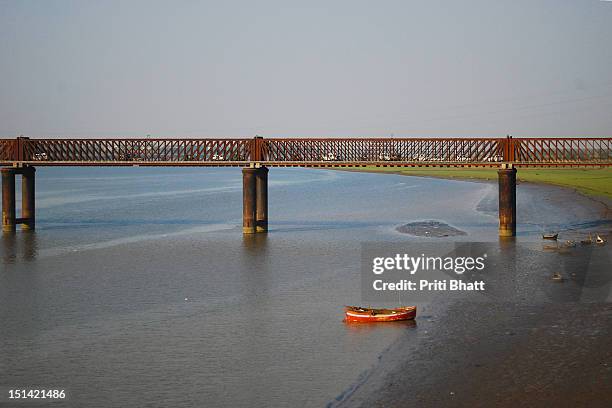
x=328, y=68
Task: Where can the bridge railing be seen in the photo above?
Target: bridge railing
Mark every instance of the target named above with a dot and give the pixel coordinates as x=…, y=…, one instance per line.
x=375, y=150
x=8, y=150
x=441, y=151
x=136, y=150
x=561, y=150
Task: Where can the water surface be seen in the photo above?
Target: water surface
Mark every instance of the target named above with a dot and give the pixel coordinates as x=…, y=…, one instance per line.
x=138, y=287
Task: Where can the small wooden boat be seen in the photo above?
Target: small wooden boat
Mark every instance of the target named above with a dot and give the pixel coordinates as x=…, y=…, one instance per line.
x=367, y=315
x=550, y=236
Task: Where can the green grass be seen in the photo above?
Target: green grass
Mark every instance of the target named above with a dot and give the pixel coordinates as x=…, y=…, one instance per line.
x=589, y=181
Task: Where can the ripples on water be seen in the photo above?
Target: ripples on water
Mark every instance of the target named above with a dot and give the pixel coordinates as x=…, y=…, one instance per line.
x=138, y=286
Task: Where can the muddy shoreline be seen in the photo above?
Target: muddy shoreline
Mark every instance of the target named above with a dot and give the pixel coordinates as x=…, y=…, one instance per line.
x=521, y=352
x=507, y=355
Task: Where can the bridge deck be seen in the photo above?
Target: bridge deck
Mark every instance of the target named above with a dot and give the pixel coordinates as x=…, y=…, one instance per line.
x=313, y=164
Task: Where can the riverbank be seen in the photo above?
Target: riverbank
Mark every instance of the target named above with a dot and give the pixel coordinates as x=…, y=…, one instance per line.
x=497, y=354
x=549, y=345
x=593, y=182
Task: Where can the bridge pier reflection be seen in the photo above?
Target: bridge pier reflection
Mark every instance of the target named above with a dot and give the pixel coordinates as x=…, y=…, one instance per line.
x=28, y=206
x=254, y=200
x=507, y=200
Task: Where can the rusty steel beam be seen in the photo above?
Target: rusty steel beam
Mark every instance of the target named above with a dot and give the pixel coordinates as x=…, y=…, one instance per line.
x=8, y=150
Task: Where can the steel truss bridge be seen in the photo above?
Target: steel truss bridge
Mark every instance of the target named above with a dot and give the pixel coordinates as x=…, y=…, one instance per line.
x=308, y=152
x=22, y=155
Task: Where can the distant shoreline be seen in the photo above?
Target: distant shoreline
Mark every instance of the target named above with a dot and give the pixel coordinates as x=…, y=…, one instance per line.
x=595, y=184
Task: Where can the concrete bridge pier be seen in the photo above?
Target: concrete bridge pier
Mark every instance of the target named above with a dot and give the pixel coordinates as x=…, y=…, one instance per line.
x=28, y=209
x=254, y=200
x=507, y=200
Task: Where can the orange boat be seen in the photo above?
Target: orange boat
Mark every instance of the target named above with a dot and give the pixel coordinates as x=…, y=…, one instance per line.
x=367, y=315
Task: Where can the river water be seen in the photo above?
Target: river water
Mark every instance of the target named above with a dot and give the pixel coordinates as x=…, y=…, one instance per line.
x=139, y=289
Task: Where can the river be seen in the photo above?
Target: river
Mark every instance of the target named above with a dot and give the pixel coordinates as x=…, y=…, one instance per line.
x=139, y=289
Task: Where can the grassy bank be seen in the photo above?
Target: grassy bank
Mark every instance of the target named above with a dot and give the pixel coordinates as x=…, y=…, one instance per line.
x=589, y=181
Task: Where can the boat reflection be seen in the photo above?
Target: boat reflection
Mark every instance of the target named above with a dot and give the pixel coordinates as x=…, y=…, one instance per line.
x=353, y=327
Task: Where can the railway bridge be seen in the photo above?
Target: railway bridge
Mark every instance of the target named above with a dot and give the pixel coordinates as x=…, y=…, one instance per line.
x=21, y=156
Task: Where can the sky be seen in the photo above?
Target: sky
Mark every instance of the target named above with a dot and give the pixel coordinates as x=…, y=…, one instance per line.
x=329, y=68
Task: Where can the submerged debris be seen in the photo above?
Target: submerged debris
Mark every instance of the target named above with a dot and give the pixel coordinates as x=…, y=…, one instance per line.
x=556, y=277
x=569, y=244
x=430, y=229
